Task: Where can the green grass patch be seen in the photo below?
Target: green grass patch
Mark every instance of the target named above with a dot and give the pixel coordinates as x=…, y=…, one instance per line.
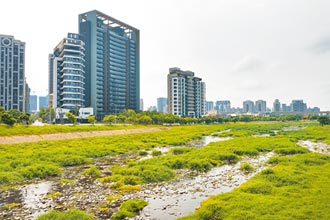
x=129, y=208
x=67, y=215
x=50, y=129
x=297, y=187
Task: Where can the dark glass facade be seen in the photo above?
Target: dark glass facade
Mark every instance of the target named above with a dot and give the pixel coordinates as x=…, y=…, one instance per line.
x=112, y=63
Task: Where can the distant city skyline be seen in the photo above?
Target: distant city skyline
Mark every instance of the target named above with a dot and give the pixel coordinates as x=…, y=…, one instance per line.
x=242, y=49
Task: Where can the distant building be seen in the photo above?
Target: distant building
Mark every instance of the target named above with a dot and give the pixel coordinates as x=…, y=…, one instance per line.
x=152, y=108
x=209, y=106
x=33, y=104
x=276, y=106
x=186, y=93
x=223, y=106
x=162, y=104
x=67, y=73
x=314, y=110
x=43, y=102
x=286, y=108
x=141, y=105
x=13, y=87
x=248, y=106
x=298, y=106
x=260, y=106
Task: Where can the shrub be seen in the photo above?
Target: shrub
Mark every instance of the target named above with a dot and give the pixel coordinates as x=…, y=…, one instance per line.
x=122, y=214
x=93, y=172
x=246, y=167
x=200, y=165
x=129, y=208
x=68, y=215
x=134, y=205
x=181, y=150
x=143, y=153
x=156, y=153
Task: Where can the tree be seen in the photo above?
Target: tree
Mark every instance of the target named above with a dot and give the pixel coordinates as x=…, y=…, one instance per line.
x=71, y=117
x=324, y=120
x=91, y=119
x=144, y=119
x=25, y=118
x=110, y=119
x=8, y=119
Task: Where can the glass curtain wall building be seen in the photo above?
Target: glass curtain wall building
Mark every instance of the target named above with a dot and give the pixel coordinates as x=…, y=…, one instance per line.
x=67, y=74
x=112, y=63
x=13, y=86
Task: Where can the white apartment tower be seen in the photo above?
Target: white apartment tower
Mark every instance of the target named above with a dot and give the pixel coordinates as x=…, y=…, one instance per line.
x=186, y=94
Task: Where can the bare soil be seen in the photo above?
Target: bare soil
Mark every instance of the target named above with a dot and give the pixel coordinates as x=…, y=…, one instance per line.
x=61, y=136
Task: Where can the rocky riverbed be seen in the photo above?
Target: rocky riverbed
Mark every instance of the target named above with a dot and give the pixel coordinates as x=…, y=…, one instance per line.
x=166, y=200
x=318, y=147
x=171, y=200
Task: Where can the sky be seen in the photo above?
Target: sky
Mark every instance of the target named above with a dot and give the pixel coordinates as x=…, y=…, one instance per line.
x=242, y=49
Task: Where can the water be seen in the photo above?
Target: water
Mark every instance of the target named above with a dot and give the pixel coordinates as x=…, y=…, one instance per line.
x=173, y=200
x=205, y=140
x=208, y=139
x=33, y=197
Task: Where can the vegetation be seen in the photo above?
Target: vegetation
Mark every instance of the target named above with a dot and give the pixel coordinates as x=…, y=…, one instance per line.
x=44, y=159
x=68, y=215
x=93, y=172
x=49, y=129
x=246, y=167
x=129, y=208
x=324, y=120
x=294, y=188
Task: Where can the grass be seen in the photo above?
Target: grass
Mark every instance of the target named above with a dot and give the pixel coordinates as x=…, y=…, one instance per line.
x=50, y=129
x=296, y=181
x=129, y=208
x=68, y=215
x=44, y=159
x=295, y=187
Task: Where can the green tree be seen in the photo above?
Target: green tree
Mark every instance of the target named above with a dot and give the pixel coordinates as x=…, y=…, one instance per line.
x=110, y=119
x=25, y=118
x=324, y=120
x=8, y=119
x=91, y=119
x=71, y=117
x=144, y=119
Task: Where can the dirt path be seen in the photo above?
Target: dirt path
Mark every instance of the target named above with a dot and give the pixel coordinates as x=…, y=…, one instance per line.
x=61, y=136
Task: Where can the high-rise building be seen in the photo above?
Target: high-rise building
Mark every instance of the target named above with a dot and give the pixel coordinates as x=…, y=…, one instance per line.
x=13, y=86
x=223, y=106
x=141, y=105
x=43, y=102
x=298, y=106
x=112, y=63
x=186, y=93
x=33, y=104
x=162, y=104
x=286, y=108
x=209, y=106
x=276, y=106
x=260, y=106
x=248, y=106
x=67, y=73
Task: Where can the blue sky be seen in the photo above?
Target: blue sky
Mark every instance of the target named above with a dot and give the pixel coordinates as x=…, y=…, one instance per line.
x=256, y=49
